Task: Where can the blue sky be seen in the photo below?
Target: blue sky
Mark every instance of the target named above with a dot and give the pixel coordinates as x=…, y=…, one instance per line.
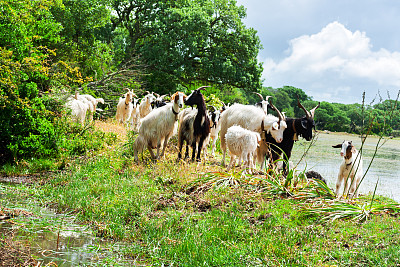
x=333, y=50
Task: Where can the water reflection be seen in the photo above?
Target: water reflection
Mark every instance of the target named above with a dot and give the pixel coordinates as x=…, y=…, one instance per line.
x=56, y=238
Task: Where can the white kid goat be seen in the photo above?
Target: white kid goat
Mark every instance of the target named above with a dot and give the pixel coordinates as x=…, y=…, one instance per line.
x=243, y=143
x=351, y=169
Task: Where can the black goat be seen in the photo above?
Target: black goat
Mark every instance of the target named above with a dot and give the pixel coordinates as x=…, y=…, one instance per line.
x=199, y=125
x=295, y=127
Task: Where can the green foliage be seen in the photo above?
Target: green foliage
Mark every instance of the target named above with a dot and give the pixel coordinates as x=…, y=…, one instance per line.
x=187, y=41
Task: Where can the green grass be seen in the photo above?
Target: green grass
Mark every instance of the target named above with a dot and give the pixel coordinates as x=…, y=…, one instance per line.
x=199, y=215
x=151, y=207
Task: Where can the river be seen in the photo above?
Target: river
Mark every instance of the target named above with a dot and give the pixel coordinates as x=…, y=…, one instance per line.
x=326, y=160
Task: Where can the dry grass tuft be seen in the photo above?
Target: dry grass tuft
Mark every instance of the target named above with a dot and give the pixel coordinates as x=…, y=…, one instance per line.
x=110, y=126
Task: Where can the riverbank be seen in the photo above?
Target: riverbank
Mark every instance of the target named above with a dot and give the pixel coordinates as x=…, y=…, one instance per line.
x=190, y=214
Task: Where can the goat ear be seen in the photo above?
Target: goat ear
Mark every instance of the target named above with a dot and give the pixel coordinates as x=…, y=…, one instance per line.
x=337, y=146
x=353, y=149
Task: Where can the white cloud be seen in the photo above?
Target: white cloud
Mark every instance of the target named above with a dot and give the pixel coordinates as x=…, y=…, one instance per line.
x=335, y=63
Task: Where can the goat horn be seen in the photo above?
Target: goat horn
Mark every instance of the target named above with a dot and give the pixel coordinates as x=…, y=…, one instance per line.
x=147, y=92
x=267, y=97
x=308, y=115
x=313, y=111
x=157, y=95
x=202, y=88
x=281, y=118
x=261, y=97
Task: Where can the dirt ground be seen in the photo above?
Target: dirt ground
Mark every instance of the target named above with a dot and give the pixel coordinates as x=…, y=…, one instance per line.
x=15, y=254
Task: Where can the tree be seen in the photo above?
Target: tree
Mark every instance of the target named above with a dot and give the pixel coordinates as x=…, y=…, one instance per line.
x=83, y=22
x=25, y=125
x=183, y=42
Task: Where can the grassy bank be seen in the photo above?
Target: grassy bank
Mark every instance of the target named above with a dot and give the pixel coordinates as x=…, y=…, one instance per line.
x=197, y=214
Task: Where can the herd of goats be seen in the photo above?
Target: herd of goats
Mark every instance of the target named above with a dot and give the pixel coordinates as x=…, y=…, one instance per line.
x=247, y=131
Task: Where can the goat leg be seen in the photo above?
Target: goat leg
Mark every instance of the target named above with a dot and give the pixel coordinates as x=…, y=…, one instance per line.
x=194, y=151
x=213, y=146
x=151, y=152
x=199, y=148
x=338, y=184
x=232, y=162
x=164, y=146
x=187, y=151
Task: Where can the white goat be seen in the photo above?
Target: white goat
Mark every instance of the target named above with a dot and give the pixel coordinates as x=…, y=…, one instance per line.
x=145, y=105
x=125, y=107
x=78, y=108
x=351, y=169
x=94, y=100
x=135, y=115
x=158, y=126
x=253, y=119
x=92, y=103
x=243, y=143
x=215, y=128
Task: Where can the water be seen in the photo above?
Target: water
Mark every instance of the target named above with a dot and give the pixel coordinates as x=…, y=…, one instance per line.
x=54, y=237
x=326, y=160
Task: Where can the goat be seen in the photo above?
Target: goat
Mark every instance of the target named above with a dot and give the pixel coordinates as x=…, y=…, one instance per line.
x=159, y=101
x=185, y=131
x=194, y=129
x=243, y=143
x=263, y=104
x=145, y=105
x=158, y=126
x=78, y=108
x=351, y=169
x=94, y=100
x=135, y=114
x=215, y=127
x=295, y=127
x=251, y=118
x=125, y=107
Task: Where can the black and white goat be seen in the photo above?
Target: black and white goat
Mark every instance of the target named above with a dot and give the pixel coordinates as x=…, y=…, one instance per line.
x=159, y=101
x=215, y=126
x=194, y=129
x=351, y=169
x=295, y=127
x=263, y=104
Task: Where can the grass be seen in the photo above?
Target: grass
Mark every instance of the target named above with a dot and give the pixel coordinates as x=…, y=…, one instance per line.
x=193, y=214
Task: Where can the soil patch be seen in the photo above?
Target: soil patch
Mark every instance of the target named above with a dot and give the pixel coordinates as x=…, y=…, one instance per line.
x=13, y=253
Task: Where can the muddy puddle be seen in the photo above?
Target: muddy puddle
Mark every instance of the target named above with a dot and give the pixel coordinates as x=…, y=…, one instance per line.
x=55, y=239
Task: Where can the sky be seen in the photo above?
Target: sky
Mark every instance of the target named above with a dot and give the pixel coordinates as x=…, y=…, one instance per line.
x=333, y=50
